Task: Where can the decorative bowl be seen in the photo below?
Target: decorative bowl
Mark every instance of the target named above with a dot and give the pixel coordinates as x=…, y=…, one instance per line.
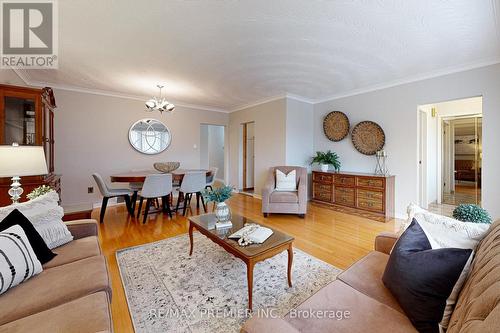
x=166, y=167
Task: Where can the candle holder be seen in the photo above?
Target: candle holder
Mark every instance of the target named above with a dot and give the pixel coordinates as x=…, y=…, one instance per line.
x=381, y=168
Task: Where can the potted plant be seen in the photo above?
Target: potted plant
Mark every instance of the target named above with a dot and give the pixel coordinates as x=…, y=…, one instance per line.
x=471, y=213
x=324, y=159
x=219, y=195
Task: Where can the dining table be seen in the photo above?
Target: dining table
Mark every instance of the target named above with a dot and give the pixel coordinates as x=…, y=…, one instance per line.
x=140, y=177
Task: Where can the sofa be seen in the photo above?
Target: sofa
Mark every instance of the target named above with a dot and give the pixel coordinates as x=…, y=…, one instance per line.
x=293, y=202
x=71, y=294
x=372, y=308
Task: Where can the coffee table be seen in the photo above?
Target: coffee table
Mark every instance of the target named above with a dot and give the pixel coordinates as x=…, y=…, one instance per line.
x=251, y=254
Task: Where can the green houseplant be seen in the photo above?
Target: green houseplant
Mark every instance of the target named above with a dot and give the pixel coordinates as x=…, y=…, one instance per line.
x=219, y=195
x=471, y=213
x=324, y=159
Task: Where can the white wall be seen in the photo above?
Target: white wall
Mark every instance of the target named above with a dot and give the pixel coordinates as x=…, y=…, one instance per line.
x=204, y=146
x=395, y=110
x=250, y=158
x=269, y=142
x=216, y=149
x=8, y=76
x=91, y=134
x=299, y=132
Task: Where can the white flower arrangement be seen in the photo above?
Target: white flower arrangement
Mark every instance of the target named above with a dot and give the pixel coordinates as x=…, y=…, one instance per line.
x=38, y=191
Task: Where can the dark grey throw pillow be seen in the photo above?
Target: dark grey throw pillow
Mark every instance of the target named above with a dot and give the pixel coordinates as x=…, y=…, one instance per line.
x=421, y=279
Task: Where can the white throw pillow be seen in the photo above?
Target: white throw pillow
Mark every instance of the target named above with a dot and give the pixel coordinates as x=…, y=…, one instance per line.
x=286, y=182
x=18, y=261
x=46, y=215
x=411, y=211
x=446, y=232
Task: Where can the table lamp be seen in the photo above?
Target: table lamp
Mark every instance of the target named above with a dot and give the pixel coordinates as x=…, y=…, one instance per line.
x=17, y=161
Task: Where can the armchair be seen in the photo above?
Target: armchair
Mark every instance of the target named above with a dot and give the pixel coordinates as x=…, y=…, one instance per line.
x=293, y=202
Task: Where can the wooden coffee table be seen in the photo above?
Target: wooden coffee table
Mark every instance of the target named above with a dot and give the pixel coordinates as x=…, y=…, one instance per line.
x=252, y=254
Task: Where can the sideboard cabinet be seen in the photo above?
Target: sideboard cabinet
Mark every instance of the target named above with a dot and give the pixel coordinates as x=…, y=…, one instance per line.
x=27, y=117
x=367, y=192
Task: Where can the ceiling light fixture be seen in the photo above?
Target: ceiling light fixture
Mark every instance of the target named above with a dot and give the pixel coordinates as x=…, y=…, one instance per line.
x=159, y=103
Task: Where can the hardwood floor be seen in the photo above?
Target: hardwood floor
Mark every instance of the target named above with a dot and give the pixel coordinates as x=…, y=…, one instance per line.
x=334, y=237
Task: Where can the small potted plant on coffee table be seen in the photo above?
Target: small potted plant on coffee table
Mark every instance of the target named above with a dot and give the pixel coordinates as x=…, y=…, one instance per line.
x=219, y=195
x=325, y=159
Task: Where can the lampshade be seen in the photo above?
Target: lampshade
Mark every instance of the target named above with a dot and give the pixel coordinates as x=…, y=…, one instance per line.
x=22, y=161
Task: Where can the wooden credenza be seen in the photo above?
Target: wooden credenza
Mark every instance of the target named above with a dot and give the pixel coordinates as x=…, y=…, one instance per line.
x=367, y=192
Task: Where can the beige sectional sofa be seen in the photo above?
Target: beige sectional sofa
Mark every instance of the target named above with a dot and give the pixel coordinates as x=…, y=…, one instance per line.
x=72, y=294
x=372, y=307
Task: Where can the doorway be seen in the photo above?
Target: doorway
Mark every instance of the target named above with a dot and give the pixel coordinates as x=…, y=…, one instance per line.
x=450, y=154
x=248, y=158
x=462, y=157
x=212, y=154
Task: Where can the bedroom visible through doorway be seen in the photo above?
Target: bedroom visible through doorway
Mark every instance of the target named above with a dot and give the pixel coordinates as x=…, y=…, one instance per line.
x=450, y=154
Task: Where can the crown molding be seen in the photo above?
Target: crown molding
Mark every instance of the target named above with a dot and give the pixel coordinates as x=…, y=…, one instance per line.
x=258, y=102
x=24, y=76
x=416, y=78
x=272, y=99
x=300, y=98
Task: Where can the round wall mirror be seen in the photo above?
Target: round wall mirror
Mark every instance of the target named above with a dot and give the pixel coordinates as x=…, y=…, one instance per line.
x=149, y=136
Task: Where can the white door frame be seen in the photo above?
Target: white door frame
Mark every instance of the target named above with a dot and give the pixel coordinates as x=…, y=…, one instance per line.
x=422, y=159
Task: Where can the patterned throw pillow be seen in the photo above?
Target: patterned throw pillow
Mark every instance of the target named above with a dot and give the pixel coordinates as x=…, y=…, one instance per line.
x=286, y=182
x=18, y=262
x=46, y=215
x=43, y=253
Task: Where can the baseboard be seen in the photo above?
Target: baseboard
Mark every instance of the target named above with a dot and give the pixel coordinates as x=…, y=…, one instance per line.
x=111, y=202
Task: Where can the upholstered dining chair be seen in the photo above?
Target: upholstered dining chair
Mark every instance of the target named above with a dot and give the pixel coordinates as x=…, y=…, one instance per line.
x=136, y=187
x=286, y=202
x=156, y=186
x=211, y=178
x=192, y=183
x=108, y=192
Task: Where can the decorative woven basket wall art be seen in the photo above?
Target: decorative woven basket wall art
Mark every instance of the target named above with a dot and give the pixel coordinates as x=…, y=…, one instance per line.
x=336, y=126
x=368, y=137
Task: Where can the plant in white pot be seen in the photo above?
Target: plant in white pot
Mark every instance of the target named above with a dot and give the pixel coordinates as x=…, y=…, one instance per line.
x=219, y=195
x=325, y=159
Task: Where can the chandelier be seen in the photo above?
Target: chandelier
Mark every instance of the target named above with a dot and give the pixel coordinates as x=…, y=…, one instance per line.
x=159, y=103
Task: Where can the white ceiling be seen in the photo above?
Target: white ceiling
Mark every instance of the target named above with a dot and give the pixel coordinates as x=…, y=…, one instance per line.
x=224, y=54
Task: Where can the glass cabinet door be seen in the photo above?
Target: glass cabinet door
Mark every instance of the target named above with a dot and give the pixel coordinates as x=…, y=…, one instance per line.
x=19, y=120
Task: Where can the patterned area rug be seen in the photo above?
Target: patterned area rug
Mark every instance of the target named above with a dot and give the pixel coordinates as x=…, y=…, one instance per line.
x=168, y=291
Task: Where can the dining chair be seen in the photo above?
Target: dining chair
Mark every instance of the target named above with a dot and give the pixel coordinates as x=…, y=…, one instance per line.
x=192, y=183
x=135, y=188
x=156, y=186
x=211, y=179
x=108, y=192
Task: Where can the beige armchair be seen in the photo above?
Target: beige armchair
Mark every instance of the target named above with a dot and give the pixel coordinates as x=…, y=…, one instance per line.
x=293, y=202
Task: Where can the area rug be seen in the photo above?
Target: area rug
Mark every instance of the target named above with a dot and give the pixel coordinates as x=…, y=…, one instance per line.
x=168, y=291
